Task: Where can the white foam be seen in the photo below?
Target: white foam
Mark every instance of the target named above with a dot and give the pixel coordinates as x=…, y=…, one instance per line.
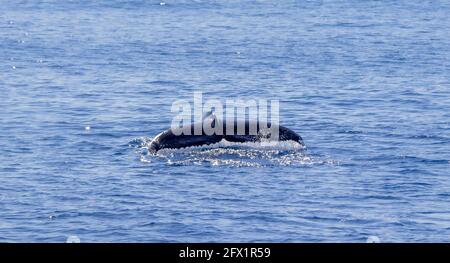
x=264, y=145
x=225, y=153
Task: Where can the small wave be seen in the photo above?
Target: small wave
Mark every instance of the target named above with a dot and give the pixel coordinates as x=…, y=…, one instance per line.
x=225, y=153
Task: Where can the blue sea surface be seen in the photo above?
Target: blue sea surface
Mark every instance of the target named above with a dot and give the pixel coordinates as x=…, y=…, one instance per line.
x=84, y=85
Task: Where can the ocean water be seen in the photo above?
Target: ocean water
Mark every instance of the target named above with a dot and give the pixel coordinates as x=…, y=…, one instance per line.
x=84, y=85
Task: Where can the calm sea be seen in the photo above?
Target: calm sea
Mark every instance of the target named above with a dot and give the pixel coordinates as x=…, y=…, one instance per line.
x=84, y=85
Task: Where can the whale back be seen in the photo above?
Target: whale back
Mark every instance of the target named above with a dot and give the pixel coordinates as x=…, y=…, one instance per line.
x=176, y=139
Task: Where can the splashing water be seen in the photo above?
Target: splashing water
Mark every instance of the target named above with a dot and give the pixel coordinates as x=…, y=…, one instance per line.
x=225, y=153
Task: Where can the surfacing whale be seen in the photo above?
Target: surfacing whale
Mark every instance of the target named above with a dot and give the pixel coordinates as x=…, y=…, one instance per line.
x=174, y=139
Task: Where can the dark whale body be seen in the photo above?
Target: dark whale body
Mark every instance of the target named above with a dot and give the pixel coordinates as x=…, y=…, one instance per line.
x=169, y=139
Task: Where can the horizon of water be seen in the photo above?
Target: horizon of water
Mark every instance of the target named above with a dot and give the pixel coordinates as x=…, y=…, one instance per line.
x=84, y=85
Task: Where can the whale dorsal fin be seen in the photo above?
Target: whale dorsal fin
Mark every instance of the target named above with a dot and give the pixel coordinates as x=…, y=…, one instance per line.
x=209, y=116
